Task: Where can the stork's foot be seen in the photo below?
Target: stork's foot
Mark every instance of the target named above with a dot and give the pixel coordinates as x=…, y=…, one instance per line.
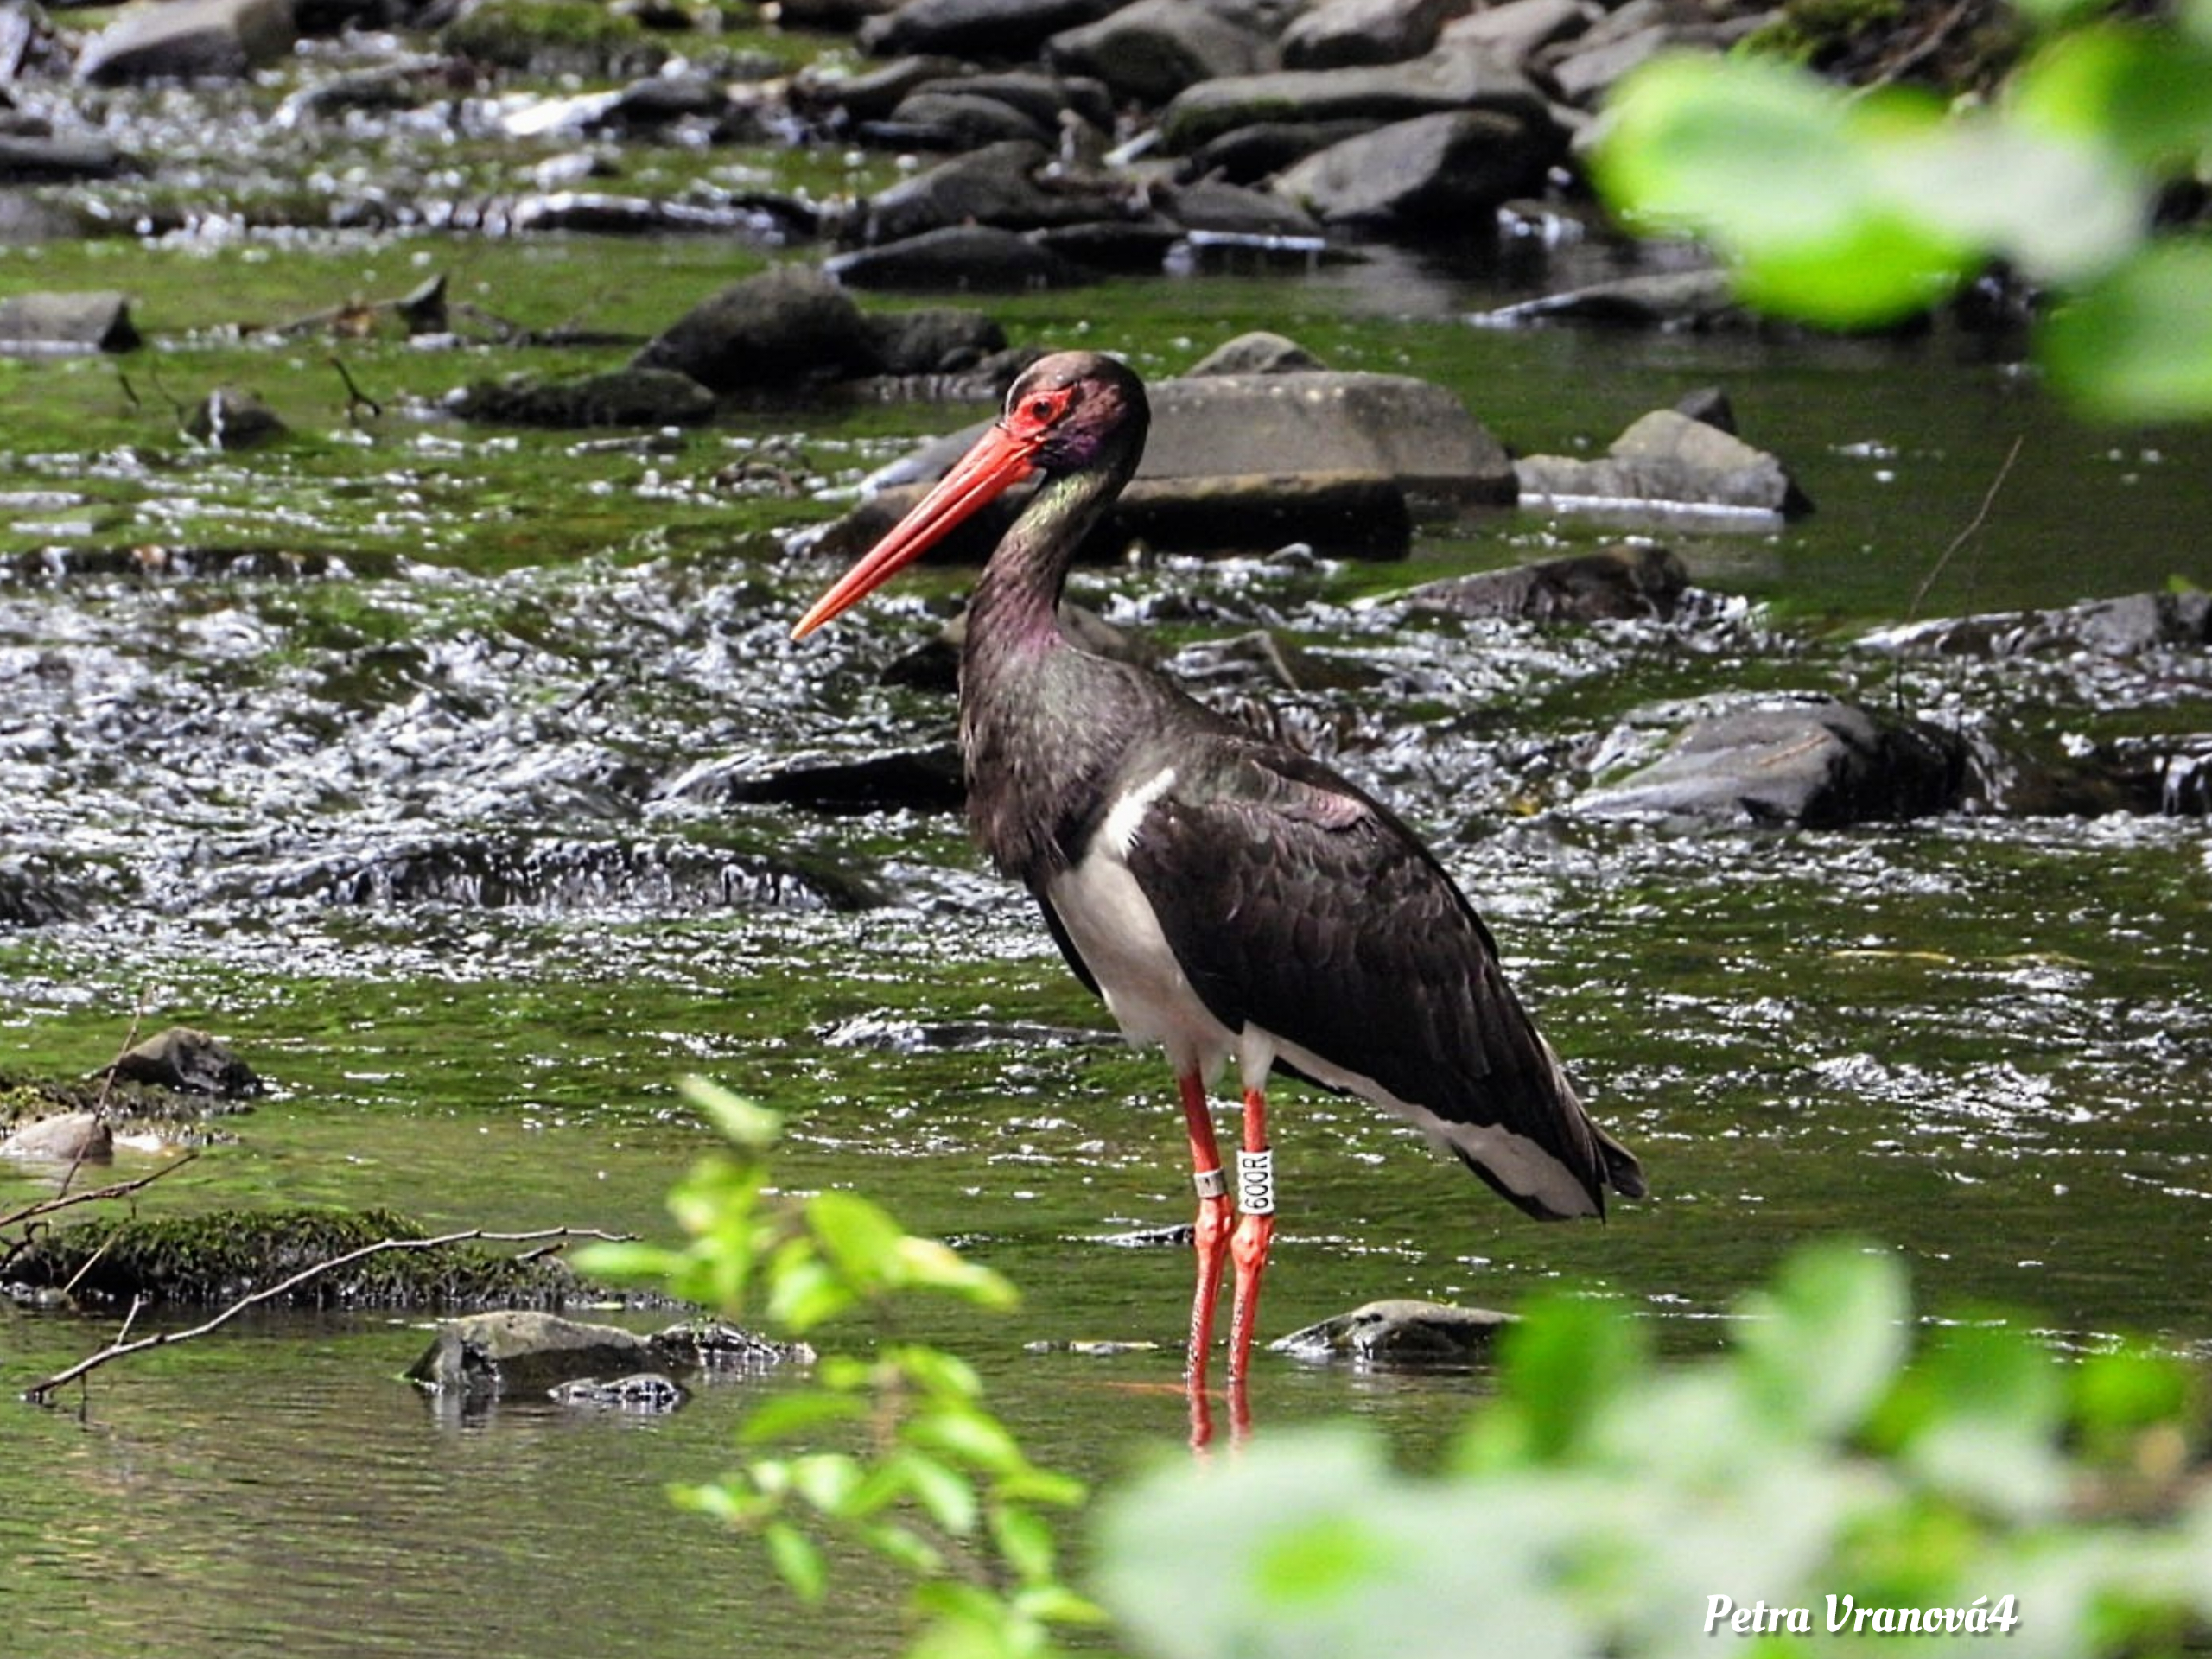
x=1248, y=1245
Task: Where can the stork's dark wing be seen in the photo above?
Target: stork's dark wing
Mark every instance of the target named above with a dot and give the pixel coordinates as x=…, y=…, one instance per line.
x=1296, y=902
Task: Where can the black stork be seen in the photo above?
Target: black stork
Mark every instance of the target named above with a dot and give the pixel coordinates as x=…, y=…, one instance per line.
x=1228, y=897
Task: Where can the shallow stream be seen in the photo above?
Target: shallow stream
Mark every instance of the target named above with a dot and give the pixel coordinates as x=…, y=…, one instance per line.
x=235, y=688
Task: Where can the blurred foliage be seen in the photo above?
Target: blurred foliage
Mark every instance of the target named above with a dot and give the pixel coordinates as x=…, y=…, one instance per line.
x=895, y=1452
x=1839, y=1460
x=1857, y=209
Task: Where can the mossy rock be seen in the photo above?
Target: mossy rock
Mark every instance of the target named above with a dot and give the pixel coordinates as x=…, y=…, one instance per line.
x=127, y=1108
x=555, y=37
x=215, y=1258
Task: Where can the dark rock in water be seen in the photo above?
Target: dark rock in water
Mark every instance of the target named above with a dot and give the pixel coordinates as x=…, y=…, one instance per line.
x=1339, y=34
x=942, y=118
x=496, y=872
x=232, y=421
x=1258, y=352
x=1225, y=209
x=779, y=329
x=1435, y=172
x=647, y=1392
x=1137, y=247
x=1817, y=762
x=994, y=29
x=188, y=39
x=523, y=1351
x=1619, y=581
x=932, y=341
x=1148, y=52
x=629, y=396
x=1340, y=514
x=1000, y=184
x=1670, y=299
x=1400, y=1332
x=1451, y=77
x=66, y=1137
x=922, y=780
x=718, y=1345
x=1666, y=458
x=189, y=1061
x=1255, y=154
x=32, y=899
x=64, y=322
x=958, y=258
x=216, y=1257
x=47, y=157
x=2130, y=625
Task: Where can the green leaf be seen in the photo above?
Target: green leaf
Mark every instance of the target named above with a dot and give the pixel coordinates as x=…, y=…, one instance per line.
x=972, y=1435
x=799, y=1412
x=797, y=1559
x=902, y=1546
x=749, y=1127
x=2145, y=93
x=947, y=1495
x=935, y=1372
x=804, y=1290
x=1024, y=1541
x=861, y=1240
x=928, y=1263
x=1559, y=1365
x=827, y=1479
x=2137, y=345
x=2116, y=1395
x=627, y=1262
x=1821, y=1346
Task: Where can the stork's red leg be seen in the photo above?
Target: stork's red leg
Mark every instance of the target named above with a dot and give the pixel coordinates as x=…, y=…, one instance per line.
x=1212, y=1232
x=1254, y=1232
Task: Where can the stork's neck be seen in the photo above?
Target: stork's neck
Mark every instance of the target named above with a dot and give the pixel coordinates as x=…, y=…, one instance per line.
x=1037, y=728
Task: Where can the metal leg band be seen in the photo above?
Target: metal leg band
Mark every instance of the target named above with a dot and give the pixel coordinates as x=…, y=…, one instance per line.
x=1211, y=1183
x=1256, y=1183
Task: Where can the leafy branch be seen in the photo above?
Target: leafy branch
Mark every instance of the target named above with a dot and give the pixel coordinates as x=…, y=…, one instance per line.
x=897, y=1451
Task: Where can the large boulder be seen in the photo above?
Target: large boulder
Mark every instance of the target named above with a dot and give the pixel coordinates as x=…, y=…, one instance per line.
x=1456, y=77
x=1400, y=1332
x=190, y=1061
x=1337, y=34
x=1667, y=459
x=1000, y=30
x=998, y=184
x=782, y=328
x=188, y=39
x=94, y=321
x=1448, y=172
x=1153, y=49
x=1815, y=762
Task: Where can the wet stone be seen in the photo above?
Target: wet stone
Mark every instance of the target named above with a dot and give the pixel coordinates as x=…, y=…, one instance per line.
x=1621, y=581
x=645, y=1392
x=1400, y=1332
x=189, y=1061
x=73, y=1137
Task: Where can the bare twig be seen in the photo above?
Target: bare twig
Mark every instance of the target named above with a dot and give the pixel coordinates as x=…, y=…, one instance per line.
x=356, y=399
x=94, y=1195
x=40, y=1393
x=107, y=1087
x=1973, y=526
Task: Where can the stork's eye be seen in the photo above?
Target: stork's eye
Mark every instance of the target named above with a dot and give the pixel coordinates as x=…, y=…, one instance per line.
x=1041, y=410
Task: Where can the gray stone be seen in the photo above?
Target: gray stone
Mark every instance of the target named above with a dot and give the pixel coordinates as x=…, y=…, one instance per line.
x=781, y=329
x=958, y=258
x=1258, y=352
x=1666, y=458
x=1518, y=29
x=93, y=321
x=630, y=397
x=1153, y=49
x=1337, y=34
x=524, y=1352
x=190, y=1061
x=73, y=1137
x=1451, y=77
x=1447, y=171
x=1815, y=762
x=42, y=157
x=646, y=1392
x=997, y=185
x=188, y=39
x=1400, y=1332
x=1000, y=29
x=1698, y=299
x=1625, y=580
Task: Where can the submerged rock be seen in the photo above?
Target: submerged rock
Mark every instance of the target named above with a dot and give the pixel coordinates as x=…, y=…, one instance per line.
x=641, y=1391
x=956, y=259
x=188, y=39
x=524, y=1351
x=780, y=329
x=2130, y=625
x=1400, y=1332
x=1816, y=762
x=1619, y=581
x=628, y=396
x=1443, y=172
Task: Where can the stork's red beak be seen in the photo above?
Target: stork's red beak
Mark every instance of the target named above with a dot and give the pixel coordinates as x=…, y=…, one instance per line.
x=998, y=460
